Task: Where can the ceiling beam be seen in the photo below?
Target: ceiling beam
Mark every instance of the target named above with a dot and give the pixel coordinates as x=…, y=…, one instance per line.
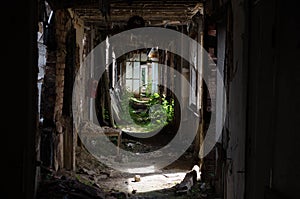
x=152, y=11
x=63, y=4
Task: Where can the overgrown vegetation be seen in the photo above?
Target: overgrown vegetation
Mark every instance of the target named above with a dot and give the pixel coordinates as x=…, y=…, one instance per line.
x=146, y=114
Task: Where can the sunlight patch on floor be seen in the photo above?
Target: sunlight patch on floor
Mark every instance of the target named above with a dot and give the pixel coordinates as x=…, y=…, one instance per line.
x=155, y=182
x=149, y=169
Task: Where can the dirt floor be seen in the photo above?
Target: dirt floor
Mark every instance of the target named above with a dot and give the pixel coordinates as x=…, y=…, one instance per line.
x=92, y=179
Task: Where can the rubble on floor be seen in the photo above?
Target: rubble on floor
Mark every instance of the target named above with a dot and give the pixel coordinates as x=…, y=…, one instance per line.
x=55, y=186
x=92, y=179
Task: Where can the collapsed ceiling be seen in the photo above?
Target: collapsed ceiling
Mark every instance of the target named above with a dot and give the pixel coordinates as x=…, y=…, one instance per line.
x=109, y=12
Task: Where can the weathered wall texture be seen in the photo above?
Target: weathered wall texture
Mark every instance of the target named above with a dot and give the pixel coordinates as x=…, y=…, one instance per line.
x=236, y=107
x=229, y=166
x=273, y=135
x=55, y=125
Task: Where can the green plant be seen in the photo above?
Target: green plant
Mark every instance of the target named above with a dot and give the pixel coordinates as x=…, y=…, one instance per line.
x=148, y=90
x=169, y=108
x=147, y=115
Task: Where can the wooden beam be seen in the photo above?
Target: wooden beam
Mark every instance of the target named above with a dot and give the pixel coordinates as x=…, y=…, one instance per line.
x=123, y=4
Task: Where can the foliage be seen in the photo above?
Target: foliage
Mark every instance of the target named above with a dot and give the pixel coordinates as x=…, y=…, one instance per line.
x=148, y=90
x=150, y=115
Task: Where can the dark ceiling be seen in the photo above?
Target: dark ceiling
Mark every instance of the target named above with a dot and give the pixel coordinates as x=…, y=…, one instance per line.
x=154, y=12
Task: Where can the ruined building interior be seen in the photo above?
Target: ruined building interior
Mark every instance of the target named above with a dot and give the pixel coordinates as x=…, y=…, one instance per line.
x=156, y=99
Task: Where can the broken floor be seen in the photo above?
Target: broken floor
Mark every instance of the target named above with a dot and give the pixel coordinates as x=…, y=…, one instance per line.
x=92, y=179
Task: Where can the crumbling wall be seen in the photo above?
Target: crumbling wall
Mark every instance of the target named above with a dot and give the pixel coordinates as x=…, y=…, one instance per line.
x=55, y=125
x=228, y=157
x=62, y=122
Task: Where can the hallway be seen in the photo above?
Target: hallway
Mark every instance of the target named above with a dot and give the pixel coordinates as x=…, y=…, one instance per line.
x=155, y=99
